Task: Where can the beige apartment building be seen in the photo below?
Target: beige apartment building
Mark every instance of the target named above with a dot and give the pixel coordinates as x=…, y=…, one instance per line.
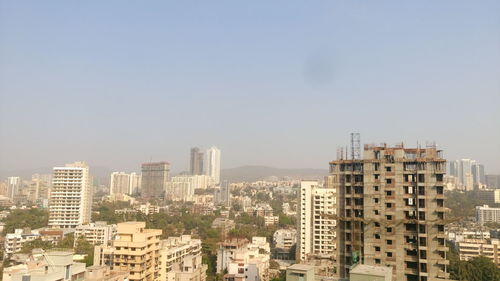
x=97, y=233
x=134, y=249
x=70, y=202
x=181, y=260
x=473, y=248
x=391, y=211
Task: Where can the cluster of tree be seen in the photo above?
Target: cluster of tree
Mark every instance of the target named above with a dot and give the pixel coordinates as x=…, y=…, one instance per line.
x=81, y=247
x=463, y=203
x=477, y=269
x=32, y=218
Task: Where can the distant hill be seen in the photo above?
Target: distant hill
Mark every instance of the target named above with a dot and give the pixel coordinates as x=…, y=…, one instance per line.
x=101, y=175
x=255, y=173
x=245, y=173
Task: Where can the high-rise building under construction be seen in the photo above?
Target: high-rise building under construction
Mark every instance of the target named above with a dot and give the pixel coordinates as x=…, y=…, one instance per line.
x=391, y=212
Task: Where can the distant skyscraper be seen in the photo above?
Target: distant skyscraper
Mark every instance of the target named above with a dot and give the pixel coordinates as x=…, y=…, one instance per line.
x=493, y=181
x=454, y=166
x=13, y=186
x=478, y=174
x=196, y=167
x=71, y=196
x=135, y=183
x=155, y=177
x=39, y=188
x=469, y=173
x=181, y=188
x=223, y=194
x=213, y=164
x=120, y=183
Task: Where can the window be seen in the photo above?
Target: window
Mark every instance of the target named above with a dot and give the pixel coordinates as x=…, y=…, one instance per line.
x=421, y=178
x=421, y=228
x=421, y=203
x=388, y=169
x=375, y=188
x=389, y=254
x=377, y=261
x=389, y=242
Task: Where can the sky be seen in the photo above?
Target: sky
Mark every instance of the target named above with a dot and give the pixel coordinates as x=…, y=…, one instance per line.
x=279, y=83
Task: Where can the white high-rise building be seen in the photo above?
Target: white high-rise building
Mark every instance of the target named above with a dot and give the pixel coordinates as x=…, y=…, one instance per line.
x=135, y=183
x=13, y=186
x=120, y=183
x=70, y=201
x=180, y=188
x=317, y=225
x=213, y=164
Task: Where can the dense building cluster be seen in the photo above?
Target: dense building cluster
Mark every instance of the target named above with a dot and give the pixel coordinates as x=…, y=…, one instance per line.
x=379, y=215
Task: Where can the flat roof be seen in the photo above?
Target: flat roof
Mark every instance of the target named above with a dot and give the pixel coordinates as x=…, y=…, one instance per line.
x=371, y=270
x=301, y=267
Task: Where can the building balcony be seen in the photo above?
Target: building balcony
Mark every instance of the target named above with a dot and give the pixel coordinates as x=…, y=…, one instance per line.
x=443, y=261
x=413, y=271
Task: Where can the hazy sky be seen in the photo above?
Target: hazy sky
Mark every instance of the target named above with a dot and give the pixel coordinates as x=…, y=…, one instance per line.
x=278, y=83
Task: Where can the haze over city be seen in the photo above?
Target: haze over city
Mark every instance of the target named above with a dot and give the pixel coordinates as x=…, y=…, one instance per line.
x=120, y=83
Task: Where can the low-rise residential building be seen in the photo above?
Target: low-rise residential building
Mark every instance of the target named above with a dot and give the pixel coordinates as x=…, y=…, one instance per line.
x=287, y=209
x=148, y=208
x=225, y=225
x=14, y=241
x=271, y=220
x=181, y=260
x=285, y=238
x=50, y=266
x=98, y=233
x=471, y=248
x=103, y=273
x=204, y=209
x=263, y=210
x=226, y=251
x=485, y=214
x=51, y=235
x=134, y=249
x=300, y=272
x=244, y=261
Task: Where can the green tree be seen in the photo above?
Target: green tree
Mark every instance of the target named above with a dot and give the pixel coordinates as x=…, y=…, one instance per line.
x=32, y=218
x=477, y=269
x=84, y=247
x=36, y=244
x=67, y=242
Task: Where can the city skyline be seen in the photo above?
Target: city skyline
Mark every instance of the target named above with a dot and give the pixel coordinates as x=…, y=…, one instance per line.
x=128, y=90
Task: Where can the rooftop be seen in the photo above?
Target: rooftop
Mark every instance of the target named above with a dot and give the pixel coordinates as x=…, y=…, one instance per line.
x=303, y=267
x=371, y=270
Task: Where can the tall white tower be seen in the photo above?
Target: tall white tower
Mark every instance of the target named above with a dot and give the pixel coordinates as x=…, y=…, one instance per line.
x=316, y=238
x=70, y=201
x=213, y=164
